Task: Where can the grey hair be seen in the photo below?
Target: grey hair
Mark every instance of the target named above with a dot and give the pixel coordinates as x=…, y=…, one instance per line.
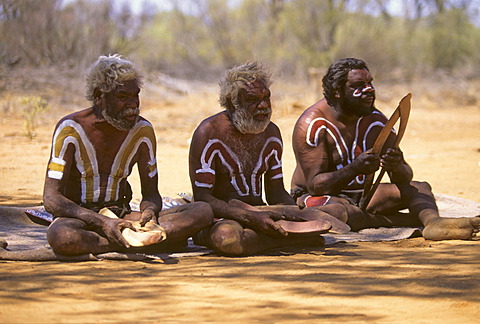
x=108, y=72
x=237, y=78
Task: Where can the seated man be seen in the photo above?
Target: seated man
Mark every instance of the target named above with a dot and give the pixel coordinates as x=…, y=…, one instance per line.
x=93, y=153
x=332, y=141
x=230, y=152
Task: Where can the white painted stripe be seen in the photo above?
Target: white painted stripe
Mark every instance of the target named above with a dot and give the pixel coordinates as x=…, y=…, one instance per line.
x=58, y=160
x=55, y=175
x=203, y=185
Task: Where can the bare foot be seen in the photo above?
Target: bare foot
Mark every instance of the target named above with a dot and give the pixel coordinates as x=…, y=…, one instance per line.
x=451, y=228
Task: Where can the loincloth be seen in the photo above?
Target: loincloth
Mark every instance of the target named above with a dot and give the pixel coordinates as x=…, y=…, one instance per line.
x=353, y=196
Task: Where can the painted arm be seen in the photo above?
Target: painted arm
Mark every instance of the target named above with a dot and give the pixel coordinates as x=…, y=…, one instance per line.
x=151, y=203
x=275, y=192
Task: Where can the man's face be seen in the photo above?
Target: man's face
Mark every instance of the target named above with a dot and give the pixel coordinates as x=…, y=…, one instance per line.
x=121, y=106
x=359, y=95
x=253, y=109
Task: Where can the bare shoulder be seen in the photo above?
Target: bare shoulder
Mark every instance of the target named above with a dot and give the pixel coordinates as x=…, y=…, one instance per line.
x=77, y=115
x=214, y=126
x=272, y=130
x=319, y=109
x=209, y=128
x=378, y=115
x=144, y=122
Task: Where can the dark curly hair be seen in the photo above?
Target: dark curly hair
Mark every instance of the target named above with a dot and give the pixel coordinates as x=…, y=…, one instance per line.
x=337, y=75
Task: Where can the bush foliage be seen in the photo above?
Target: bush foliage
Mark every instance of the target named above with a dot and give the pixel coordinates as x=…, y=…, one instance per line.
x=200, y=38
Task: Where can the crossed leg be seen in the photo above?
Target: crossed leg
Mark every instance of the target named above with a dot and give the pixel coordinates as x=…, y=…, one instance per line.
x=184, y=221
x=229, y=237
x=69, y=236
x=417, y=196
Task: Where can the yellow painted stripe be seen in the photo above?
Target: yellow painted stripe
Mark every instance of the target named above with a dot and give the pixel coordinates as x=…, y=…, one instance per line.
x=143, y=133
x=64, y=136
x=52, y=166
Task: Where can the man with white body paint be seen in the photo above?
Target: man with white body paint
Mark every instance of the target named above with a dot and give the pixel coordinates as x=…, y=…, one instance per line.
x=332, y=142
x=93, y=153
x=230, y=153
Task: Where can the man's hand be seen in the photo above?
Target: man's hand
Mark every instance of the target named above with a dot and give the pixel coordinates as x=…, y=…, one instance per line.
x=392, y=160
x=147, y=215
x=367, y=162
x=113, y=227
x=264, y=222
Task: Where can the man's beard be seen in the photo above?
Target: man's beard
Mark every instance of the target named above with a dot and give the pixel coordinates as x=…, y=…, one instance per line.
x=246, y=123
x=356, y=107
x=118, y=119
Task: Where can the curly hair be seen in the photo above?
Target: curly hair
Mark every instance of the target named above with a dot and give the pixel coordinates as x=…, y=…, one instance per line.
x=108, y=72
x=236, y=79
x=336, y=76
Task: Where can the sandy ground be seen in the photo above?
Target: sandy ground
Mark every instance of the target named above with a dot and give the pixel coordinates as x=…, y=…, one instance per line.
x=388, y=282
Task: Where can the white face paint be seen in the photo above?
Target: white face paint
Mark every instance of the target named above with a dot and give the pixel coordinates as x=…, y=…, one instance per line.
x=367, y=87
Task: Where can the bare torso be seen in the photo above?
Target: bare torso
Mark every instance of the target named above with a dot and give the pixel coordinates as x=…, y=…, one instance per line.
x=323, y=143
x=232, y=164
x=101, y=156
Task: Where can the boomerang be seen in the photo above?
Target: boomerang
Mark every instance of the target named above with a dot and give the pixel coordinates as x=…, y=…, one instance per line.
x=402, y=112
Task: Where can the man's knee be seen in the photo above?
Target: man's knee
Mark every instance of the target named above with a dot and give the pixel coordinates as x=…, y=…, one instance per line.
x=204, y=213
x=226, y=237
x=62, y=238
x=422, y=186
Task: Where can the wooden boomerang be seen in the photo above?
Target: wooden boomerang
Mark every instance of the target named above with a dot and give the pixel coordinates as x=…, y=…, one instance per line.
x=402, y=112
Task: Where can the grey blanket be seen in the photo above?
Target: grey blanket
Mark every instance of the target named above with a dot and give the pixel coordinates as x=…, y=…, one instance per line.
x=25, y=235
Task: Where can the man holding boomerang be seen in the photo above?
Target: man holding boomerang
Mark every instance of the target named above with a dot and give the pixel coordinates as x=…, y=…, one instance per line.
x=339, y=144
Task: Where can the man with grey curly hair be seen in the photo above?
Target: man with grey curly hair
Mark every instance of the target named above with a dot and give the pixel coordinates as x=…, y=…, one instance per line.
x=234, y=81
x=93, y=153
x=104, y=76
x=231, y=154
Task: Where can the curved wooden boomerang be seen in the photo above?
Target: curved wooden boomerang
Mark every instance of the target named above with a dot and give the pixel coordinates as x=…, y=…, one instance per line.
x=402, y=112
